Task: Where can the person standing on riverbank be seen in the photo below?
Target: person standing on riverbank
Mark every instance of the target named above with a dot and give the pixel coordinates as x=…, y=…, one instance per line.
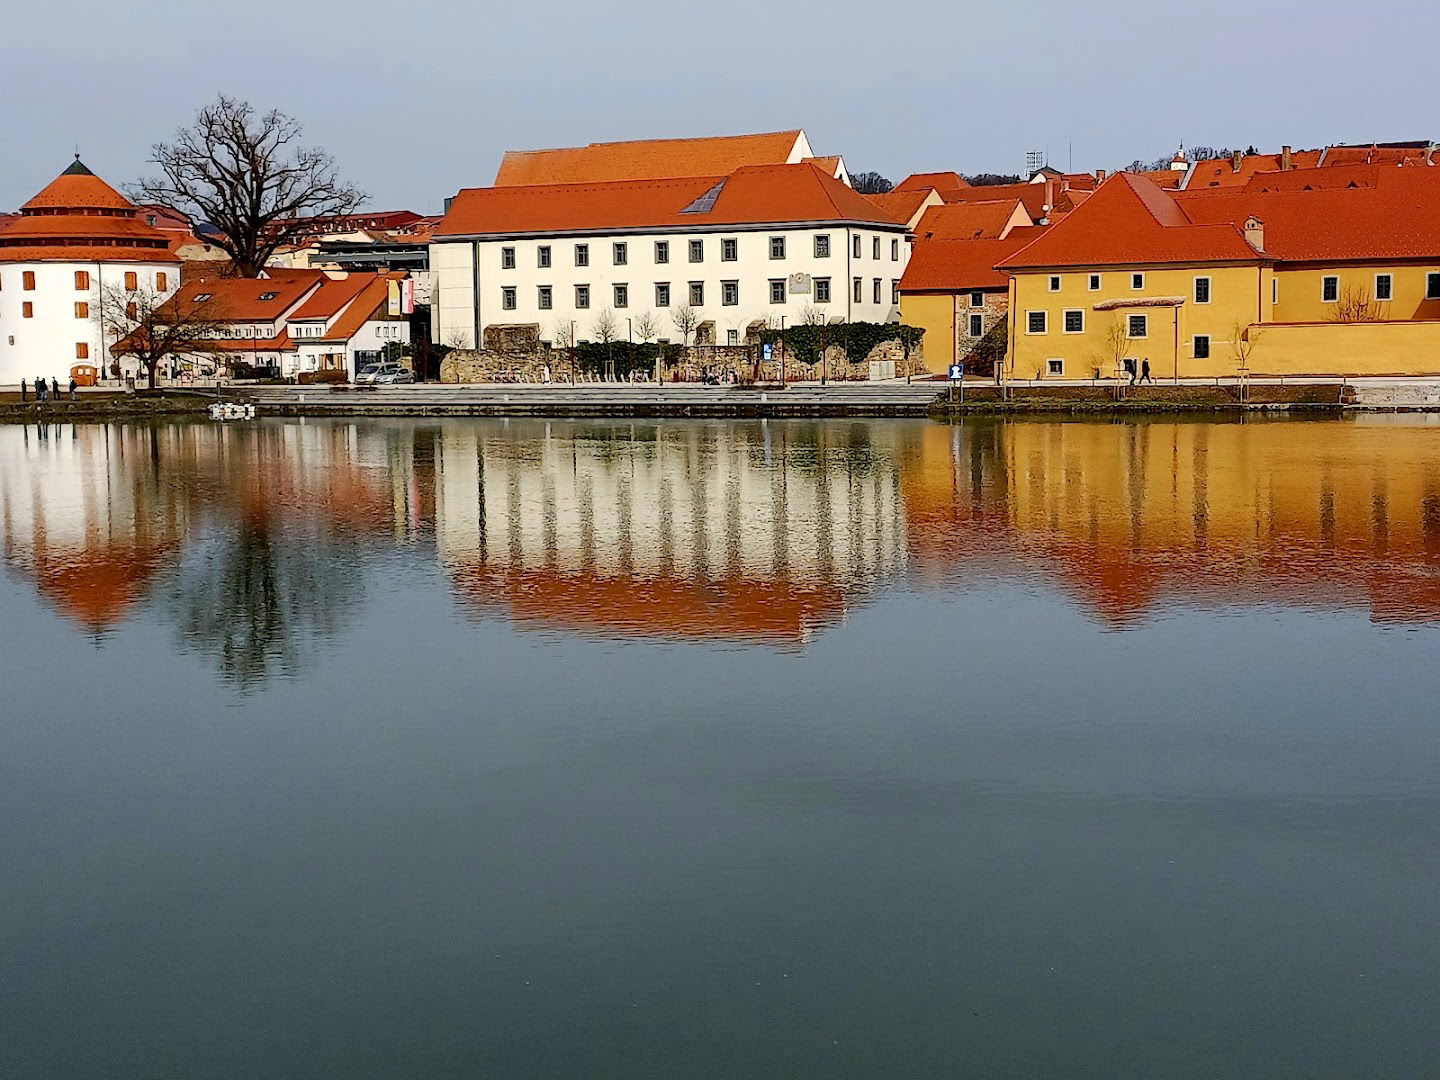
x=24, y=392
x=1145, y=372
x=40, y=391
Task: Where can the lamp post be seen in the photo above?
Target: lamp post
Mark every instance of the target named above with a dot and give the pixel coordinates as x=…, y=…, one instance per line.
x=782, y=352
x=572, y=352
x=630, y=338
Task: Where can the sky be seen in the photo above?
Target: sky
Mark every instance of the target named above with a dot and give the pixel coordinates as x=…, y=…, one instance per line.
x=416, y=100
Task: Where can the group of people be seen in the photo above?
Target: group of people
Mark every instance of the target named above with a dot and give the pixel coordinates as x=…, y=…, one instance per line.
x=44, y=392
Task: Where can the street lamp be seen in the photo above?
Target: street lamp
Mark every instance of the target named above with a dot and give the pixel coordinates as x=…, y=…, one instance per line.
x=782, y=352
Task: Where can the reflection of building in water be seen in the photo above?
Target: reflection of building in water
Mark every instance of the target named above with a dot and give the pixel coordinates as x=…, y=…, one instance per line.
x=747, y=531
x=85, y=514
x=1331, y=514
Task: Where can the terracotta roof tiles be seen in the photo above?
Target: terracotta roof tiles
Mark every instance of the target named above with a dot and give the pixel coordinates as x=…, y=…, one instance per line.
x=645, y=159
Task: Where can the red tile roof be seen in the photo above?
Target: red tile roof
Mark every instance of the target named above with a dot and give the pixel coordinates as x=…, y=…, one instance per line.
x=645, y=159
x=967, y=221
x=1396, y=218
x=233, y=299
x=1032, y=195
x=902, y=206
x=1129, y=220
x=943, y=182
x=332, y=296
x=1221, y=172
x=367, y=304
x=962, y=265
x=80, y=218
x=769, y=194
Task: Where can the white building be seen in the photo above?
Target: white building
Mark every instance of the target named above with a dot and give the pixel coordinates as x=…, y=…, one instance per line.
x=76, y=238
x=742, y=249
x=297, y=320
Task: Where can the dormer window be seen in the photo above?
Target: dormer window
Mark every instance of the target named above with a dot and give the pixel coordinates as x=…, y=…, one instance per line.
x=200, y=298
x=268, y=295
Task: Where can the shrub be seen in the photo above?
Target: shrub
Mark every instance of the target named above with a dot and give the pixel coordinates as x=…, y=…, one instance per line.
x=314, y=378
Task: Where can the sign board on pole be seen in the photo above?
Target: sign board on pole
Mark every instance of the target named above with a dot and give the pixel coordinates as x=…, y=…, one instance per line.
x=768, y=351
x=957, y=372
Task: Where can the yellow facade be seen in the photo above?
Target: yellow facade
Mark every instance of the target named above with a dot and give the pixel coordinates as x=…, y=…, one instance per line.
x=1268, y=321
x=935, y=314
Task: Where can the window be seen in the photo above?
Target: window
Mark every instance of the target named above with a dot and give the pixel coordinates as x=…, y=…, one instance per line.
x=1329, y=289
x=732, y=337
x=662, y=294
x=622, y=296
x=82, y=280
x=162, y=280
x=27, y=280
x=150, y=220
x=507, y=258
x=582, y=296
x=822, y=290
x=1054, y=282
x=27, y=310
x=544, y=298
x=1384, y=287
x=662, y=251
x=620, y=253
x=1035, y=322
x=875, y=248
x=1055, y=367
x=1274, y=290
x=894, y=290
x=1139, y=326
x=697, y=294
x=1137, y=281
x=894, y=249
x=82, y=310
x=1094, y=282
x=822, y=247
x=697, y=251
x=777, y=247
x=1202, y=290
x=977, y=299
x=729, y=249
x=977, y=325
x=858, y=290
x=1200, y=347
x=875, y=291
x=857, y=245
x=582, y=254
x=82, y=351
x=777, y=291
x=1074, y=322
x=542, y=256
x=1432, y=286
x=729, y=293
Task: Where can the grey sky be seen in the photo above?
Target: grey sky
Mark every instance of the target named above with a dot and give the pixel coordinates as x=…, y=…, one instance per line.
x=418, y=99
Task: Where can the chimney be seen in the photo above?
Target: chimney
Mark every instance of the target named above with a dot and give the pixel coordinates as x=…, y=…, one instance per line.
x=1235, y=159
x=1100, y=175
x=1284, y=159
x=1255, y=233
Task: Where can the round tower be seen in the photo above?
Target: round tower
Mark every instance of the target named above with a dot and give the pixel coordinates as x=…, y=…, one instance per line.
x=75, y=241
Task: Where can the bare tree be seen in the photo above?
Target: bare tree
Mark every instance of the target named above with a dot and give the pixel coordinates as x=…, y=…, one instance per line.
x=607, y=327
x=1355, y=305
x=686, y=320
x=564, y=336
x=248, y=177
x=152, y=328
x=458, y=338
x=1115, y=345
x=1243, y=340
x=870, y=183
x=647, y=326
x=810, y=315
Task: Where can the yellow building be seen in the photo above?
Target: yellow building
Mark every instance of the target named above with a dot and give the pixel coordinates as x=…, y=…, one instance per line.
x=1278, y=278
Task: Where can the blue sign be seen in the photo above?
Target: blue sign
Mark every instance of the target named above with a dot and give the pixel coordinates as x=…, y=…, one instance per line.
x=769, y=351
x=957, y=372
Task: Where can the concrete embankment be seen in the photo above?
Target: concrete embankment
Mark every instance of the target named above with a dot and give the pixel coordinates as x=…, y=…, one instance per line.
x=1120, y=399
x=90, y=407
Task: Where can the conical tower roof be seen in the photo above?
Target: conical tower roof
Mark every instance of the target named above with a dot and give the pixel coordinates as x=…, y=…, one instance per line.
x=77, y=188
x=80, y=218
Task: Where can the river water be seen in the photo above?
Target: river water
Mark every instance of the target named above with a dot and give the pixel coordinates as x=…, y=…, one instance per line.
x=800, y=749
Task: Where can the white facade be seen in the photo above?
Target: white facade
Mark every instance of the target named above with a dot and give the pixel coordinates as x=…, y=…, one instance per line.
x=62, y=327
x=477, y=280
x=362, y=347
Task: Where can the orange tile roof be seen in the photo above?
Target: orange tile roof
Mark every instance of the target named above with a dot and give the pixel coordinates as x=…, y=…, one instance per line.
x=645, y=159
x=1221, y=172
x=332, y=296
x=1032, y=195
x=770, y=194
x=829, y=164
x=1377, y=154
x=364, y=307
x=1396, y=218
x=942, y=182
x=234, y=299
x=962, y=265
x=967, y=221
x=80, y=218
x=1129, y=220
x=902, y=206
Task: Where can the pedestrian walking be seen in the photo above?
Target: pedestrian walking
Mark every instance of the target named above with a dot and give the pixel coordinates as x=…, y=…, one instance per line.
x=73, y=387
x=1130, y=369
x=55, y=387
x=24, y=391
x=1145, y=372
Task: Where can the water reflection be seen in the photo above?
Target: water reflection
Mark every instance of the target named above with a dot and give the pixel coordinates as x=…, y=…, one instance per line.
x=255, y=541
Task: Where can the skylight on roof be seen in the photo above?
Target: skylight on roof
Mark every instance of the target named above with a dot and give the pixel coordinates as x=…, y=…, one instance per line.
x=268, y=295
x=705, y=203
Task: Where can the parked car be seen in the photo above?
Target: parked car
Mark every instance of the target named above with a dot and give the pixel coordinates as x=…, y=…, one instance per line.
x=384, y=375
